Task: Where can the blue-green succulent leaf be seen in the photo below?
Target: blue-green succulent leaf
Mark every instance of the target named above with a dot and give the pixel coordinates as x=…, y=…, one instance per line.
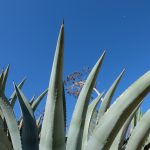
x=140, y=133
x=115, y=117
x=1, y=80
x=118, y=142
x=5, y=143
x=13, y=97
x=38, y=100
x=107, y=98
x=89, y=115
x=75, y=133
x=11, y=122
x=52, y=132
x=32, y=100
x=5, y=78
x=29, y=130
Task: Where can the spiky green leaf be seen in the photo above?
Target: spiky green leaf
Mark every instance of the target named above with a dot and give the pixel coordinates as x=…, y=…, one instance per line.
x=140, y=133
x=107, y=99
x=5, y=78
x=75, y=133
x=29, y=131
x=119, y=141
x=52, y=132
x=11, y=122
x=13, y=97
x=117, y=114
x=5, y=143
x=38, y=100
x=90, y=112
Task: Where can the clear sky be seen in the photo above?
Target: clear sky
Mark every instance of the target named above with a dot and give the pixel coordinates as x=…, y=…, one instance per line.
x=29, y=30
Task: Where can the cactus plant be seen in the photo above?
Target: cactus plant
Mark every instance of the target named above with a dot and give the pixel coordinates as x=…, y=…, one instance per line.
x=111, y=125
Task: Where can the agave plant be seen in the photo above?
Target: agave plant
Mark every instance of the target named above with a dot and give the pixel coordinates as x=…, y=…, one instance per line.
x=111, y=127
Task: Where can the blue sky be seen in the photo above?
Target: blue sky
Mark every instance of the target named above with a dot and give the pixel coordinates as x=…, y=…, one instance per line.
x=29, y=30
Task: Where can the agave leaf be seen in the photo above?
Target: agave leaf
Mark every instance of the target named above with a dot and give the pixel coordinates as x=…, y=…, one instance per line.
x=5, y=143
x=39, y=130
x=11, y=122
x=20, y=120
x=146, y=145
x=38, y=100
x=14, y=96
x=64, y=108
x=1, y=121
x=1, y=79
x=32, y=100
x=120, y=138
x=117, y=114
x=29, y=130
x=93, y=120
x=5, y=78
x=38, y=121
x=20, y=123
x=137, y=117
x=135, y=120
x=128, y=122
x=52, y=132
x=90, y=112
x=107, y=99
x=78, y=118
x=132, y=126
x=39, y=124
x=140, y=133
